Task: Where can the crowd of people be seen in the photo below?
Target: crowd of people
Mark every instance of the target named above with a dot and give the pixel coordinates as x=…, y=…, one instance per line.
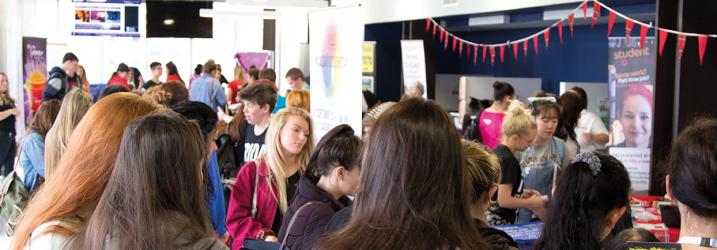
x=169, y=165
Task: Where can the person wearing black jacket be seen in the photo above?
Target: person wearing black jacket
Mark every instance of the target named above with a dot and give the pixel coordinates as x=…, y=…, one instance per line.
x=60, y=77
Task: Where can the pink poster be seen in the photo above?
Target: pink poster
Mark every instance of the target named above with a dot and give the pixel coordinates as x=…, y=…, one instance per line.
x=247, y=59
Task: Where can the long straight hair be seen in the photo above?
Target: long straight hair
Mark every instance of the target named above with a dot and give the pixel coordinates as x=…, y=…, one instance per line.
x=5, y=98
x=577, y=214
x=156, y=191
x=84, y=169
x=274, y=155
x=74, y=106
x=414, y=191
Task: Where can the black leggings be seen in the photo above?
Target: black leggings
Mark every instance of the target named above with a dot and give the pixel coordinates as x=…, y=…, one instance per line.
x=8, y=150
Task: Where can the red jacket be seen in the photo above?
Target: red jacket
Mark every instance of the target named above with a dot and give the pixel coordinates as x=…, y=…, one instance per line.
x=118, y=80
x=240, y=223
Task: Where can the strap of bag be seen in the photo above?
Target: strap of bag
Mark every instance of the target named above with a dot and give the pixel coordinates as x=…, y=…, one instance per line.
x=256, y=184
x=293, y=219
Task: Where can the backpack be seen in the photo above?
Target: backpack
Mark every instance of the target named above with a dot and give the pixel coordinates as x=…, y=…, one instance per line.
x=13, y=200
x=225, y=156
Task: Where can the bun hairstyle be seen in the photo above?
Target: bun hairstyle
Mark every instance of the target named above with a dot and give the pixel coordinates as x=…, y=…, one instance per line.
x=693, y=167
x=545, y=106
x=517, y=120
x=339, y=147
x=501, y=90
x=584, y=196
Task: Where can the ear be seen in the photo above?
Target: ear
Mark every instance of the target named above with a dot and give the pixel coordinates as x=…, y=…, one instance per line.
x=265, y=108
x=340, y=172
x=668, y=188
x=615, y=215
x=491, y=191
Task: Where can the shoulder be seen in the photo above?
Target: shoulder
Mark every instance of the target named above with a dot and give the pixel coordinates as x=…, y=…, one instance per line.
x=498, y=239
x=48, y=240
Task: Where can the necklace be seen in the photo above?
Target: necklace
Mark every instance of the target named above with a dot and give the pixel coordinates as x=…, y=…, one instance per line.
x=701, y=241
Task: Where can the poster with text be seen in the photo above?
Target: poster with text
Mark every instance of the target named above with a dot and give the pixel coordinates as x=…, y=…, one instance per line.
x=413, y=62
x=631, y=72
x=34, y=70
x=336, y=60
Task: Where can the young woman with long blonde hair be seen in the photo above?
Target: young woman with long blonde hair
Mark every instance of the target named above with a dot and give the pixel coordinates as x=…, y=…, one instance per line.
x=265, y=186
x=74, y=107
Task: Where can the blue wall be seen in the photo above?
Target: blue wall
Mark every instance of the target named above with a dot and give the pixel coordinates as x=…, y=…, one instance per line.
x=582, y=58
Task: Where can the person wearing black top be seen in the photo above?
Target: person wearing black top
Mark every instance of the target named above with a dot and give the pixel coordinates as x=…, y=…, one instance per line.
x=519, y=130
x=156, y=73
x=8, y=114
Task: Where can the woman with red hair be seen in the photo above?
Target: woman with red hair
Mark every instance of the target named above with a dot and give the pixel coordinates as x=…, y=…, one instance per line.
x=636, y=117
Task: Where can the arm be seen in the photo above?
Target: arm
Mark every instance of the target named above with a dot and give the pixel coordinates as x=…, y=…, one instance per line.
x=506, y=200
x=216, y=198
x=8, y=113
x=315, y=225
x=601, y=138
x=220, y=95
x=33, y=150
x=240, y=223
x=53, y=86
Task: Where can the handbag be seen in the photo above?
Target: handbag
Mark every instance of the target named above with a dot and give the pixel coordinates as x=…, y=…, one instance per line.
x=13, y=200
x=256, y=244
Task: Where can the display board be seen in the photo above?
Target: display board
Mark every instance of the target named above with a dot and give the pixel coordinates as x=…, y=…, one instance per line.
x=413, y=64
x=336, y=62
x=106, y=18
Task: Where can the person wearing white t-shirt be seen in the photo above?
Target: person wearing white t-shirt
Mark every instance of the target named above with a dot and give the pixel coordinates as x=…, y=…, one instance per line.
x=592, y=135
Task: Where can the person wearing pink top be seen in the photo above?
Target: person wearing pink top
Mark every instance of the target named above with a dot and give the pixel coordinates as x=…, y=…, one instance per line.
x=490, y=120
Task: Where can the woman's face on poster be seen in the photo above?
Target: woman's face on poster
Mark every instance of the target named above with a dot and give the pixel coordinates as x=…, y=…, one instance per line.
x=636, y=119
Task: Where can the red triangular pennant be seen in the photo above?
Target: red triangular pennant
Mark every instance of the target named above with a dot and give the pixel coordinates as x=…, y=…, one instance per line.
x=502, y=53
x=546, y=35
x=610, y=22
x=434, y=29
x=515, y=51
x=560, y=31
x=484, y=47
x=643, y=35
x=440, y=37
x=596, y=13
x=468, y=50
x=525, y=48
x=492, y=55
x=584, y=6
x=455, y=42
x=702, y=41
x=681, y=45
x=475, y=53
x=628, y=29
x=460, y=49
x=535, y=44
x=428, y=24
x=663, y=39
x=445, y=41
x=571, y=21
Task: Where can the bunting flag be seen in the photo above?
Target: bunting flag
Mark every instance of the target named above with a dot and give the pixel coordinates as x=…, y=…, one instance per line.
x=643, y=35
x=460, y=49
x=628, y=29
x=681, y=45
x=560, y=31
x=571, y=22
x=475, y=53
x=596, y=14
x=584, y=6
x=444, y=36
x=492, y=55
x=502, y=53
x=610, y=22
x=663, y=39
x=702, y=40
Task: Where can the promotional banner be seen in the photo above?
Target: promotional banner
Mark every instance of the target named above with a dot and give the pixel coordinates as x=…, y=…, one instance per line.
x=368, y=67
x=336, y=37
x=413, y=62
x=34, y=69
x=248, y=59
x=631, y=71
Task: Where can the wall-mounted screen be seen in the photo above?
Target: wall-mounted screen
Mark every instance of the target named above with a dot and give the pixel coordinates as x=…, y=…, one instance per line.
x=106, y=18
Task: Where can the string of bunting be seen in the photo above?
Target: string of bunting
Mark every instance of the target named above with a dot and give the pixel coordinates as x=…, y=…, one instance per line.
x=457, y=43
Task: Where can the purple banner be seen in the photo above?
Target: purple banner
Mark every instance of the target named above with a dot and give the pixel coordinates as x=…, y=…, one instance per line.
x=34, y=68
x=247, y=59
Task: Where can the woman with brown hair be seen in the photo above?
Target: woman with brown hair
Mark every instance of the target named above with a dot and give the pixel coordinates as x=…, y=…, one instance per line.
x=404, y=200
x=32, y=154
x=168, y=94
x=8, y=113
x=62, y=206
x=139, y=209
x=74, y=107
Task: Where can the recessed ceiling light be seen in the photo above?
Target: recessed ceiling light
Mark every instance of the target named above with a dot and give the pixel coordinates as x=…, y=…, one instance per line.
x=169, y=22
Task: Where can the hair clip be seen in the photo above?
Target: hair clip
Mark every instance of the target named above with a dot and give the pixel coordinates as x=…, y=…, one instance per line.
x=591, y=159
x=532, y=100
